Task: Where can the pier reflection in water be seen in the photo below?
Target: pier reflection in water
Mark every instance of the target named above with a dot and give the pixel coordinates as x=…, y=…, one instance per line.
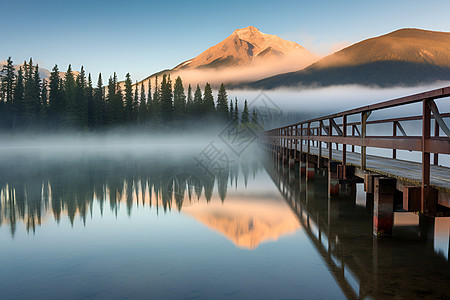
x=412, y=264
x=103, y=227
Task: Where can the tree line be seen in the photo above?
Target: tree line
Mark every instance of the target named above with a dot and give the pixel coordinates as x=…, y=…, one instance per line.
x=27, y=101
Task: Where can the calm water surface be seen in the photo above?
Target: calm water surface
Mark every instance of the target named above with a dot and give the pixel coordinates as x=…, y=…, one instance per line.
x=158, y=226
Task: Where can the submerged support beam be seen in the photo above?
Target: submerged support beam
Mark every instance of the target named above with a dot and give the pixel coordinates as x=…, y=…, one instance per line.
x=383, y=208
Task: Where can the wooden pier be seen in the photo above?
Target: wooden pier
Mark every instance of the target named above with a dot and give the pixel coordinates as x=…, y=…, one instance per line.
x=331, y=142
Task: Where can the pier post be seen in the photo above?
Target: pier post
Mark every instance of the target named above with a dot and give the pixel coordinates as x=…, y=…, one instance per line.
x=411, y=198
x=428, y=194
x=333, y=180
x=383, y=208
x=369, y=184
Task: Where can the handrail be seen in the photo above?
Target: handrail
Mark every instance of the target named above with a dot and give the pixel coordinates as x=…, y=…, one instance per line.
x=433, y=94
x=284, y=140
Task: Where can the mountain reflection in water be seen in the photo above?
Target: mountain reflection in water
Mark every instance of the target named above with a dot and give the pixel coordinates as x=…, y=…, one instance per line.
x=247, y=222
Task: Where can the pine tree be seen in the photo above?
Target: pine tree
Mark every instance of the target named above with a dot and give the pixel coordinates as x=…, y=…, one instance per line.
x=18, y=104
x=128, y=99
x=254, y=117
x=142, y=105
x=135, y=103
x=189, y=102
x=69, y=95
x=44, y=101
x=208, y=100
x=31, y=99
x=118, y=100
x=36, y=94
x=115, y=102
x=100, y=105
x=236, y=112
x=55, y=98
x=245, y=114
x=80, y=106
x=156, y=92
x=198, y=102
x=222, y=103
x=149, y=100
x=8, y=81
x=179, y=99
x=91, y=106
x=156, y=104
x=231, y=113
x=166, y=99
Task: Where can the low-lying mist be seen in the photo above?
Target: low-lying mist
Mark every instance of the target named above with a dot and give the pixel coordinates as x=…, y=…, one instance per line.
x=291, y=105
x=316, y=102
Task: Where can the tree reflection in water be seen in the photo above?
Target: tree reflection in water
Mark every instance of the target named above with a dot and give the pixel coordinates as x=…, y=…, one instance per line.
x=32, y=187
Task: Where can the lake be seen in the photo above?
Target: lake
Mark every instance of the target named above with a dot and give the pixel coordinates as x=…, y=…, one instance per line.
x=200, y=222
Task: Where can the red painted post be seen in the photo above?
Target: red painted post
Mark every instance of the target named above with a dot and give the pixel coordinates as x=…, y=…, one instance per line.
x=383, y=206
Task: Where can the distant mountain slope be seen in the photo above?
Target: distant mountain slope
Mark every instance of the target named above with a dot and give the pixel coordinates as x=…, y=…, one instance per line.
x=244, y=56
x=403, y=57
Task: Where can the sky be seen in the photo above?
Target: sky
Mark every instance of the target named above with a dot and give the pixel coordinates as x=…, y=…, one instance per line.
x=143, y=37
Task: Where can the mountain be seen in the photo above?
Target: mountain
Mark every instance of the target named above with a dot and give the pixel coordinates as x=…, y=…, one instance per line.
x=244, y=56
x=245, y=46
x=403, y=57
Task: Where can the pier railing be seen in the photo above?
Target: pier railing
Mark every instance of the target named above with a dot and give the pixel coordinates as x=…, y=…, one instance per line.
x=335, y=129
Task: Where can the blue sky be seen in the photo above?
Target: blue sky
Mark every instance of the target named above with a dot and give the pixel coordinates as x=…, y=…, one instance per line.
x=142, y=37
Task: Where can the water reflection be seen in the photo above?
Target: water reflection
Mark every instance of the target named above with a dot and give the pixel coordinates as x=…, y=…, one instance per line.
x=34, y=189
x=409, y=265
x=249, y=204
x=246, y=221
